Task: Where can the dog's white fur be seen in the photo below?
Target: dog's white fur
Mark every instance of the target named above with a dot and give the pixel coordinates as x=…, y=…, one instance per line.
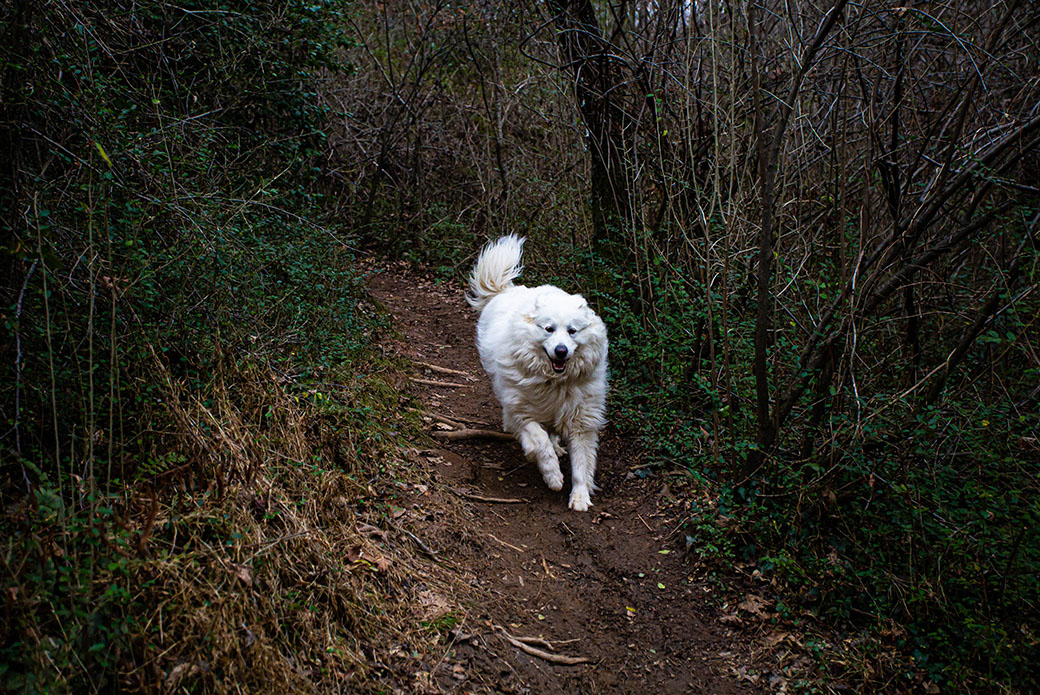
x=521, y=336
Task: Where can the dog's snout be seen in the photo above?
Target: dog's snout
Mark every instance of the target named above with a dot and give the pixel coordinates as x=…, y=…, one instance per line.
x=561, y=351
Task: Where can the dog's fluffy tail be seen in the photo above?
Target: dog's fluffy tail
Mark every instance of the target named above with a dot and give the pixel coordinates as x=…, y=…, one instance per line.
x=497, y=266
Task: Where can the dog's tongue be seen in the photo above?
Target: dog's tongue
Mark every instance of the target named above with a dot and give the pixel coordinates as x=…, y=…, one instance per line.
x=558, y=365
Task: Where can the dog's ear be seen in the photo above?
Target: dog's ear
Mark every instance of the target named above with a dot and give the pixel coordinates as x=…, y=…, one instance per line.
x=585, y=309
x=582, y=302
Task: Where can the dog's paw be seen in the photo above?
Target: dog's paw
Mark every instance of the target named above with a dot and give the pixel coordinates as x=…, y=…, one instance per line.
x=554, y=480
x=580, y=501
x=558, y=446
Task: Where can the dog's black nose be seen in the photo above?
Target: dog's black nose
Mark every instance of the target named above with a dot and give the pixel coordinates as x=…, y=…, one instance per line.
x=561, y=351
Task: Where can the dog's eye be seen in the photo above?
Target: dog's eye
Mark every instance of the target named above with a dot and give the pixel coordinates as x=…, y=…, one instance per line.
x=572, y=330
x=550, y=329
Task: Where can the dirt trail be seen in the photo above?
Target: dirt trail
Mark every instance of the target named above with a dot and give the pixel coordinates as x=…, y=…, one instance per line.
x=597, y=578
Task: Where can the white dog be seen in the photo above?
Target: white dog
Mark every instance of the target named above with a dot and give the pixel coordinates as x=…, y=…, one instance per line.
x=546, y=353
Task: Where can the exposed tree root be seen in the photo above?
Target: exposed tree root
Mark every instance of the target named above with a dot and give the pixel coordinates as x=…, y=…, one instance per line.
x=447, y=421
x=542, y=642
x=521, y=643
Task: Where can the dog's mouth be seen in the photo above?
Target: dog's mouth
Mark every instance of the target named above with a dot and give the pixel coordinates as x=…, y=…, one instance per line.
x=558, y=364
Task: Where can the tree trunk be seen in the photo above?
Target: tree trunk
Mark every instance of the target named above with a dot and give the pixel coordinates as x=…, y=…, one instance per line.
x=599, y=90
x=770, y=130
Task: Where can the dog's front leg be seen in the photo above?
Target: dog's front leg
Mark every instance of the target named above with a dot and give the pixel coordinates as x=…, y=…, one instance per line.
x=537, y=446
x=582, y=447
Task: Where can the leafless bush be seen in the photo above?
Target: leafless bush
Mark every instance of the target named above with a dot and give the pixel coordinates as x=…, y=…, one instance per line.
x=843, y=196
x=868, y=149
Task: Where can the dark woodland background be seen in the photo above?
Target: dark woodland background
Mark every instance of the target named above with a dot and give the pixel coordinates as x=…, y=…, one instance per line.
x=810, y=228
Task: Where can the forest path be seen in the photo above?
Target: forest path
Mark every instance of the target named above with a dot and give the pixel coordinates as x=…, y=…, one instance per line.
x=600, y=579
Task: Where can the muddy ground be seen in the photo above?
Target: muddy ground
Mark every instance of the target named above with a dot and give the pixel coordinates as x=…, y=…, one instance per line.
x=610, y=585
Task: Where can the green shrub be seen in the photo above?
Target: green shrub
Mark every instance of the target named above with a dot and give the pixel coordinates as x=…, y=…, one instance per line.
x=173, y=276
x=921, y=519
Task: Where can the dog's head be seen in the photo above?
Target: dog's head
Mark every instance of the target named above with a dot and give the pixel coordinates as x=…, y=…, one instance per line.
x=567, y=338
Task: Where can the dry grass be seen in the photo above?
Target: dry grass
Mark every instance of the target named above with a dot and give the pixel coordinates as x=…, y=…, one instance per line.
x=278, y=556
x=297, y=576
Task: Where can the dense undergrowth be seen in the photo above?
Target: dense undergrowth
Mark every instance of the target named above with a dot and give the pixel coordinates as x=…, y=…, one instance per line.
x=918, y=527
x=914, y=529
x=867, y=422
x=196, y=421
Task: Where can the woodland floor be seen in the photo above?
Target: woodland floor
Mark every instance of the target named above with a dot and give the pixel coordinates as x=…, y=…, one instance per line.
x=594, y=585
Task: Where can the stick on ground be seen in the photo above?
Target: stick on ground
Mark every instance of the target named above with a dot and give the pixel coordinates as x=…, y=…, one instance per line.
x=461, y=435
x=444, y=370
x=492, y=500
x=508, y=545
x=457, y=421
x=431, y=382
x=447, y=421
x=422, y=546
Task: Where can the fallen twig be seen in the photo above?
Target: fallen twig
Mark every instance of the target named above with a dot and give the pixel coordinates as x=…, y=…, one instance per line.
x=447, y=421
x=644, y=523
x=449, y=384
x=508, y=545
x=422, y=546
x=473, y=421
x=444, y=370
x=459, y=435
x=492, y=500
x=460, y=421
x=541, y=653
x=267, y=545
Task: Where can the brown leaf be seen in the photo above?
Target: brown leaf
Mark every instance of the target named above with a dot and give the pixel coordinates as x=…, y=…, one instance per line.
x=180, y=671
x=434, y=605
x=354, y=553
x=242, y=572
x=372, y=531
x=731, y=619
x=754, y=605
x=424, y=683
x=743, y=675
